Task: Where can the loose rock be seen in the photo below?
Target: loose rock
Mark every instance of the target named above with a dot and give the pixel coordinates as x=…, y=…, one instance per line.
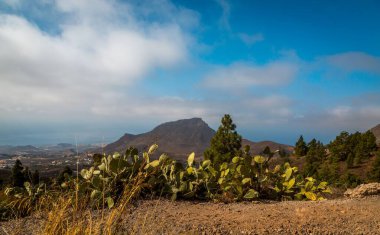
x=363, y=190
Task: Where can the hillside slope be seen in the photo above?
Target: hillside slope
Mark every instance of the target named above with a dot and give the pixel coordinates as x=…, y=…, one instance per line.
x=179, y=138
x=258, y=147
x=376, y=132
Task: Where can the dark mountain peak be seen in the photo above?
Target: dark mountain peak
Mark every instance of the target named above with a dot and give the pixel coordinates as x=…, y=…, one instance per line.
x=192, y=131
x=182, y=124
x=120, y=144
x=127, y=135
x=179, y=138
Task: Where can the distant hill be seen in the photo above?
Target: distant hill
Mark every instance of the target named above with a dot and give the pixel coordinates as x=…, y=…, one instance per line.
x=376, y=131
x=59, y=149
x=65, y=145
x=258, y=147
x=179, y=138
x=15, y=150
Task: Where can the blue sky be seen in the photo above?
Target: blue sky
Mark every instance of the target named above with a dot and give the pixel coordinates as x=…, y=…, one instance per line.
x=97, y=69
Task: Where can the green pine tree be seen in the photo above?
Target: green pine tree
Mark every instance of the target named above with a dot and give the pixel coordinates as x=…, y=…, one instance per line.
x=27, y=174
x=316, y=154
x=266, y=151
x=329, y=171
x=64, y=174
x=350, y=160
x=36, y=177
x=366, y=145
x=300, y=149
x=282, y=153
x=225, y=144
x=352, y=148
x=339, y=148
x=374, y=174
x=18, y=177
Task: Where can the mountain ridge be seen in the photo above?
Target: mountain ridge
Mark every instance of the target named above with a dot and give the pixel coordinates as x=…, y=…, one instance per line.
x=181, y=137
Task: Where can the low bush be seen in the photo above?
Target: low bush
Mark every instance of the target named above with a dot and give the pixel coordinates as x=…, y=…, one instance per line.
x=106, y=183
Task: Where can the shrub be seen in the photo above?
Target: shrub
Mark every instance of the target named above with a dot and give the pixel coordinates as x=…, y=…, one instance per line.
x=374, y=174
x=108, y=183
x=242, y=178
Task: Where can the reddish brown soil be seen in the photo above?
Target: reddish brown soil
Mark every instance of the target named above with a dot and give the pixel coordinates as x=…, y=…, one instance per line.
x=338, y=216
x=341, y=216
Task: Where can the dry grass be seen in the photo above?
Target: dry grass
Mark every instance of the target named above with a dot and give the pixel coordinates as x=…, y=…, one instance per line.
x=75, y=213
x=72, y=217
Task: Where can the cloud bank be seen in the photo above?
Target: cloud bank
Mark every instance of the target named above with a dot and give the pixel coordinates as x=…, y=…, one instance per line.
x=242, y=75
x=101, y=50
x=90, y=66
x=354, y=62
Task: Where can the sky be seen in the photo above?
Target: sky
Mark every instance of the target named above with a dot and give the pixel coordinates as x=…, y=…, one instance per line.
x=92, y=70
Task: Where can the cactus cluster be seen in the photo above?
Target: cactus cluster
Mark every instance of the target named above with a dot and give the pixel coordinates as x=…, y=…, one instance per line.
x=290, y=185
x=21, y=201
x=243, y=178
x=29, y=190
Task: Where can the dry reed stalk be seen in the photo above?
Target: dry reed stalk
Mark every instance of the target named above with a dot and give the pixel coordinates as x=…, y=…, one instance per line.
x=128, y=194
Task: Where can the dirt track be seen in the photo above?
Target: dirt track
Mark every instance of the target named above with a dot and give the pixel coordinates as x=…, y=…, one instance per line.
x=339, y=216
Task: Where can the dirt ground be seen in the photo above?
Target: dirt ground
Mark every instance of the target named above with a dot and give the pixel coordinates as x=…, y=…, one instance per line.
x=337, y=216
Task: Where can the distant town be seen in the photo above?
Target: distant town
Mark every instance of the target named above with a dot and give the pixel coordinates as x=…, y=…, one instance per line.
x=48, y=159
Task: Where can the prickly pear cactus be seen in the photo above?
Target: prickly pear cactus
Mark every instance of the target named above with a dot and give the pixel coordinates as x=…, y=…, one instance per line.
x=243, y=178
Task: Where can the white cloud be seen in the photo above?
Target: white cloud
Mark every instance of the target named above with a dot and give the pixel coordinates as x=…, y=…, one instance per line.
x=354, y=61
x=251, y=39
x=264, y=110
x=260, y=109
x=369, y=113
x=102, y=48
x=87, y=70
x=242, y=75
x=332, y=121
x=340, y=111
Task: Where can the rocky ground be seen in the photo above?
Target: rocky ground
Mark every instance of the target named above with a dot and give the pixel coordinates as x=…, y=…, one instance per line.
x=356, y=213
x=337, y=216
